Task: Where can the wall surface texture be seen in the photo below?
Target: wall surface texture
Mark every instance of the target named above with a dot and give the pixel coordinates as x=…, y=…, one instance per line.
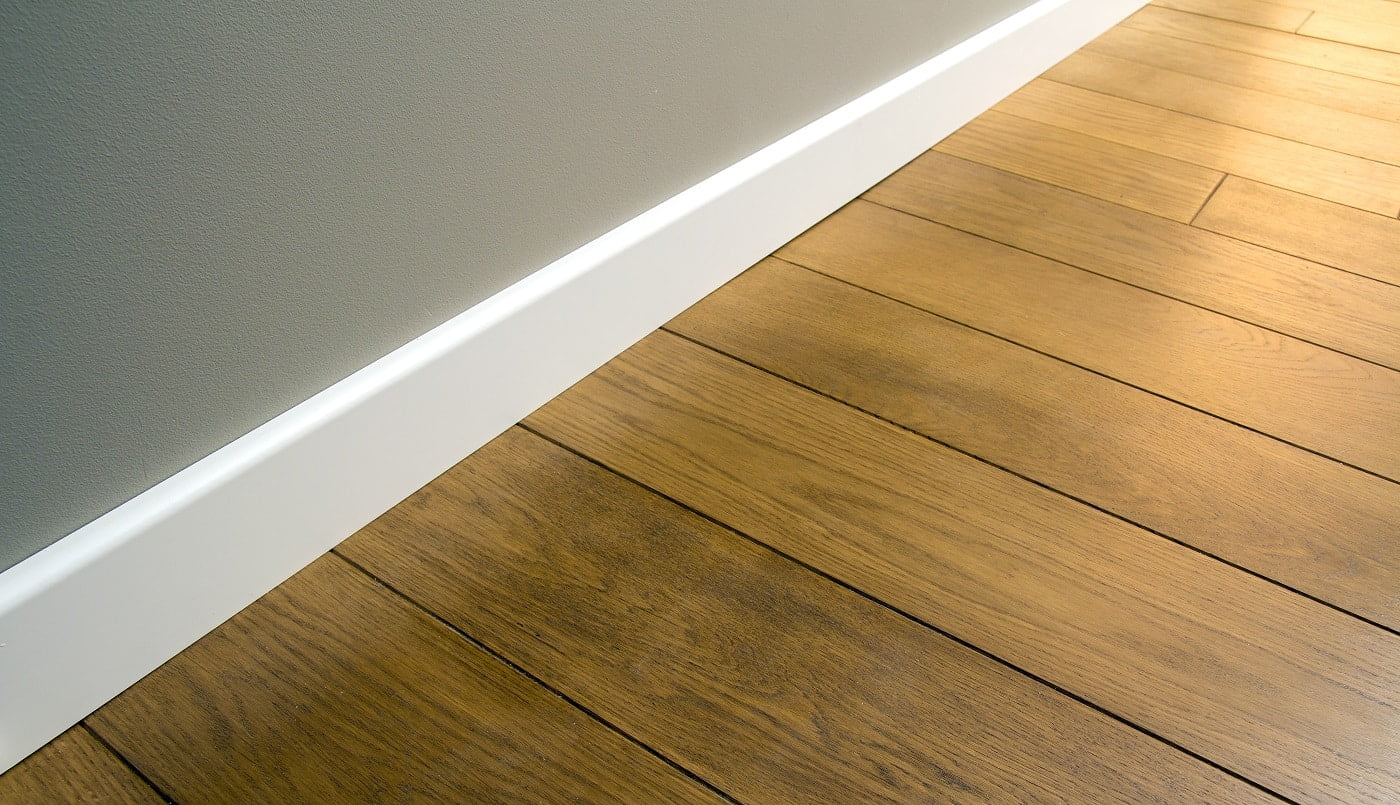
x=210, y=212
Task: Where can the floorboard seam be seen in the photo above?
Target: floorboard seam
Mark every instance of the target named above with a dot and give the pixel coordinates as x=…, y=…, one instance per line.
x=1225, y=175
x=1044, y=486
x=1218, y=123
x=1091, y=48
x=1128, y=24
x=866, y=197
x=912, y=618
x=1205, y=203
x=1225, y=19
x=1371, y=48
x=498, y=656
x=125, y=761
x=1192, y=223
x=1092, y=371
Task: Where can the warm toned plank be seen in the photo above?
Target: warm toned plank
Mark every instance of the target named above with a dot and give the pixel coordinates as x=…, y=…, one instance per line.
x=1307, y=227
x=1363, y=32
x=1344, y=311
x=770, y=681
x=1292, y=694
x=1278, y=16
x=74, y=767
x=1335, y=56
x=1337, y=405
x=1384, y=12
x=1304, y=520
x=1117, y=173
x=332, y=689
x=1290, y=119
x=1343, y=178
x=1322, y=87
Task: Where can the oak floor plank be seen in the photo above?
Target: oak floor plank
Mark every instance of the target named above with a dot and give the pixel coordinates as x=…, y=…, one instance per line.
x=761, y=676
x=333, y=689
x=1117, y=173
x=1246, y=673
x=1364, y=32
x=1335, y=56
x=1321, y=87
x=779, y=684
x=1322, y=400
x=1197, y=479
x=1279, y=16
x=74, y=767
x=1333, y=129
x=1346, y=179
x=1307, y=227
x=1346, y=312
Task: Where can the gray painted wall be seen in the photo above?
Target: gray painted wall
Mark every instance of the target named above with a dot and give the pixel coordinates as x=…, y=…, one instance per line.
x=210, y=214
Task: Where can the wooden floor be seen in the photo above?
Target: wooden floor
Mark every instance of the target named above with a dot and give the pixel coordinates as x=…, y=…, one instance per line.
x=1060, y=465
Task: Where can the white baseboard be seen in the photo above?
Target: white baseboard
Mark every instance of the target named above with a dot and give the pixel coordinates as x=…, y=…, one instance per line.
x=85, y=618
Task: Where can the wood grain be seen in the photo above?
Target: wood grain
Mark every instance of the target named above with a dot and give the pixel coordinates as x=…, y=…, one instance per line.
x=1223, y=663
x=1317, y=303
x=1321, y=87
x=1123, y=175
x=1384, y=12
x=332, y=689
x=1337, y=405
x=1250, y=12
x=1301, y=225
x=1363, y=32
x=788, y=673
x=74, y=767
x=770, y=681
x=1342, y=178
x=1335, y=56
x=1290, y=119
x=1205, y=482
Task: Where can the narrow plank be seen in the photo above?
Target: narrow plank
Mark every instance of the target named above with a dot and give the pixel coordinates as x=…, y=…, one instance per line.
x=1123, y=175
x=1322, y=87
x=1337, y=405
x=763, y=677
x=1202, y=481
x=1343, y=178
x=1335, y=56
x=1278, y=16
x=1301, y=225
x=332, y=689
x=1332, y=308
x=74, y=767
x=1363, y=32
x=1287, y=118
x=1292, y=694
